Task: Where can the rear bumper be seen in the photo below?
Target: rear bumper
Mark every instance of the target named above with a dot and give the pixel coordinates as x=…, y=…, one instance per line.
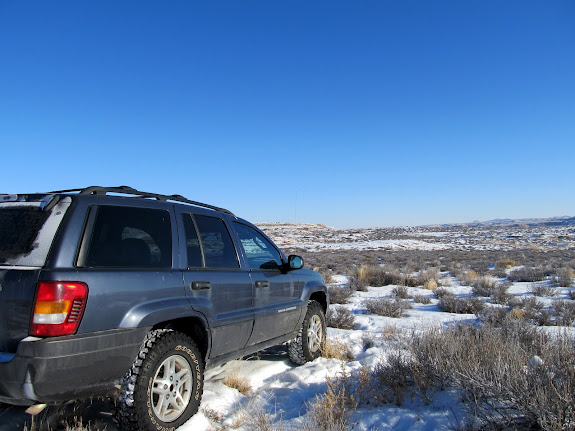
x=66, y=368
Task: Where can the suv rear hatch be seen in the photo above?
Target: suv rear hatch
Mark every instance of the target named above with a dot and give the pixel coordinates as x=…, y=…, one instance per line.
x=28, y=225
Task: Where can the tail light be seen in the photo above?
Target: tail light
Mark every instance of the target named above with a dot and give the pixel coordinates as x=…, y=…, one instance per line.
x=58, y=308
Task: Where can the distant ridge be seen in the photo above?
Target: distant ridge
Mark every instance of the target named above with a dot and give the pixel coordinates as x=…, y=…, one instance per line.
x=550, y=221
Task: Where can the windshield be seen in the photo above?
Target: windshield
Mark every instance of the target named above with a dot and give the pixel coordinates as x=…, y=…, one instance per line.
x=27, y=232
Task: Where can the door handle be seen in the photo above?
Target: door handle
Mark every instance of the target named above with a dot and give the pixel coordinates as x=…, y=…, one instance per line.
x=262, y=284
x=200, y=285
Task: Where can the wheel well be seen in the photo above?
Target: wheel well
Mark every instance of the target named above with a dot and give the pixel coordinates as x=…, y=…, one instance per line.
x=191, y=326
x=321, y=298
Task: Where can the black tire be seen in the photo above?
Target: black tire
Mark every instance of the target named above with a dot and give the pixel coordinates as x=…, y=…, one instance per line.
x=163, y=389
x=310, y=340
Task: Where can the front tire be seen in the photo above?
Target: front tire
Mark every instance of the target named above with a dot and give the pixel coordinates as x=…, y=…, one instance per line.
x=310, y=340
x=163, y=389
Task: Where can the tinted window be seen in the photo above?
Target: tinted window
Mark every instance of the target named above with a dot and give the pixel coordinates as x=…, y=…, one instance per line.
x=260, y=253
x=194, y=251
x=131, y=238
x=217, y=245
x=19, y=227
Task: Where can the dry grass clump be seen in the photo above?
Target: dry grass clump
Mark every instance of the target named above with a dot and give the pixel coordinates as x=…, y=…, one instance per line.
x=452, y=304
x=466, y=278
x=339, y=295
x=337, y=349
x=75, y=416
x=421, y=299
x=340, y=317
x=235, y=381
x=331, y=411
x=543, y=290
x=505, y=263
x=527, y=274
x=387, y=307
x=428, y=275
x=375, y=276
x=400, y=292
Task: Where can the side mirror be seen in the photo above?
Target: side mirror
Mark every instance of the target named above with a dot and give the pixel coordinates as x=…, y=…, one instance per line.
x=295, y=262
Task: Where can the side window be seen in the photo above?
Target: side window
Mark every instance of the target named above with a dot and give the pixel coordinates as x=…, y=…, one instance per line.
x=261, y=254
x=130, y=237
x=217, y=245
x=194, y=251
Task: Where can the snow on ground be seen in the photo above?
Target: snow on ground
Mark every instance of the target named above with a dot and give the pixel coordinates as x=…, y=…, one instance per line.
x=284, y=390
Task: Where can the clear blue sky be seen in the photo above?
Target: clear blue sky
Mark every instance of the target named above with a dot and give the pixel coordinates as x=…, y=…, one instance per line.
x=347, y=113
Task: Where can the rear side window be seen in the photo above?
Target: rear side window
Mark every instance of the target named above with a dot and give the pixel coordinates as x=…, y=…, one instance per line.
x=217, y=245
x=129, y=237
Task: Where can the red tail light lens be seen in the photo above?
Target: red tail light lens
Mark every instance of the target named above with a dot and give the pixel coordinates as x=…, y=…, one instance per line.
x=58, y=308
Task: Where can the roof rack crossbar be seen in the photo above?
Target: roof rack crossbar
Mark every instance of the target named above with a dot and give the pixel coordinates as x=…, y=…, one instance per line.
x=98, y=190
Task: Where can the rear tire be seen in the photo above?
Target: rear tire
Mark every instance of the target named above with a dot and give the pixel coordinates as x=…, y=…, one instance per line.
x=163, y=389
x=310, y=340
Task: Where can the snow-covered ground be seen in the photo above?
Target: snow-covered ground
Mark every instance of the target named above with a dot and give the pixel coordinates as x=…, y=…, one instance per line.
x=317, y=237
x=284, y=391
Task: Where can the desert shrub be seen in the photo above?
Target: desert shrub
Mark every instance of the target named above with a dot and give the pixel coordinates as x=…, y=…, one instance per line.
x=527, y=274
x=562, y=277
x=452, y=304
x=387, y=307
x=489, y=364
x=440, y=292
x=564, y=312
x=339, y=295
x=394, y=377
x=499, y=294
x=400, y=292
x=444, y=282
x=527, y=303
x=493, y=316
x=422, y=299
x=376, y=276
x=337, y=349
x=466, y=278
x=505, y=263
x=427, y=275
x=340, y=317
x=530, y=309
x=483, y=286
x=543, y=290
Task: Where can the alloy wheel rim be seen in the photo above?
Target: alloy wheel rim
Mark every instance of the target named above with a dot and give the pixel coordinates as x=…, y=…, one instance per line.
x=171, y=388
x=314, y=334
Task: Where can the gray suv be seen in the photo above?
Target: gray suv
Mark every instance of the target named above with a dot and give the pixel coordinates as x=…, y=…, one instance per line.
x=107, y=286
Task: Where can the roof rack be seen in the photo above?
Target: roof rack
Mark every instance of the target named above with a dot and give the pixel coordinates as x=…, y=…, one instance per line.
x=97, y=190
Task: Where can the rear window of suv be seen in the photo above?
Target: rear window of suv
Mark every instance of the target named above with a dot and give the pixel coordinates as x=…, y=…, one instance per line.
x=27, y=232
x=129, y=237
